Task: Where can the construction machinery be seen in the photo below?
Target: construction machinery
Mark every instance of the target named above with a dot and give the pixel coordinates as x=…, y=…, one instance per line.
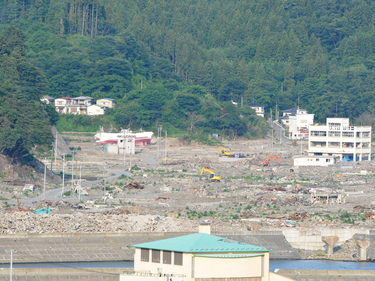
x=223, y=152
x=212, y=174
x=268, y=160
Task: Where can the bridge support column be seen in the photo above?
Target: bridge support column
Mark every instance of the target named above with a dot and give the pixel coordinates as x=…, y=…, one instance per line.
x=330, y=241
x=363, y=245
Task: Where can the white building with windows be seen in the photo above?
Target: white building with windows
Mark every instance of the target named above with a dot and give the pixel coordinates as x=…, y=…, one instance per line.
x=338, y=138
x=298, y=121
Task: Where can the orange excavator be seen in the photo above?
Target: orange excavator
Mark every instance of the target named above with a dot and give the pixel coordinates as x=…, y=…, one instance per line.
x=267, y=162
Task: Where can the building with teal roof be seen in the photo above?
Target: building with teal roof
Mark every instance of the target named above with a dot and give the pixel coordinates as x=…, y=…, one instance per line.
x=200, y=257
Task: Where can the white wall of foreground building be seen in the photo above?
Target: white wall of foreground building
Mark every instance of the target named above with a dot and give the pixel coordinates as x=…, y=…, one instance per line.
x=338, y=138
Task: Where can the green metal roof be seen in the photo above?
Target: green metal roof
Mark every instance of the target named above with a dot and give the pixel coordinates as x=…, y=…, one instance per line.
x=200, y=243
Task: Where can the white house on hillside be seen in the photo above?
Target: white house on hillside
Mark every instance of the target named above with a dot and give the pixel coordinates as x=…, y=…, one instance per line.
x=62, y=104
x=47, y=99
x=200, y=257
x=259, y=109
x=96, y=109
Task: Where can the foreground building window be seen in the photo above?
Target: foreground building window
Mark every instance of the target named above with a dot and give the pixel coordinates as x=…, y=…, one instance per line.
x=145, y=256
x=177, y=258
x=156, y=256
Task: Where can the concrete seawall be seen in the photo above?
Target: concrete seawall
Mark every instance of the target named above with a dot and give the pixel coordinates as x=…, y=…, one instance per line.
x=115, y=247
x=52, y=274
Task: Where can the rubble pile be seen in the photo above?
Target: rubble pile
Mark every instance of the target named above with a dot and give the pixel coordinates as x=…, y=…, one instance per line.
x=115, y=222
x=166, y=194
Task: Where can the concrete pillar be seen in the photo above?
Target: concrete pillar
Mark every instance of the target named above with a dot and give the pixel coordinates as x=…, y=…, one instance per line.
x=330, y=241
x=363, y=245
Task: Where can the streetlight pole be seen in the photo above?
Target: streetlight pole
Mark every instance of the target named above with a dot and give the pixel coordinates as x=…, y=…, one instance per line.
x=11, y=265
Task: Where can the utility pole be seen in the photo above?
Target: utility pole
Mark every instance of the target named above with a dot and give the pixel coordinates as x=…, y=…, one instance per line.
x=124, y=151
x=63, y=178
x=271, y=114
x=160, y=128
x=73, y=170
x=165, y=144
x=45, y=175
x=103, y=175
x=132, y=138
x=80, y=179
x=55, y=146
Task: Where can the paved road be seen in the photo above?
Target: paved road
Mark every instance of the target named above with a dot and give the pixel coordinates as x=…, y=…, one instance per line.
x=279, y=131
x=54, y=194
x=150, y=160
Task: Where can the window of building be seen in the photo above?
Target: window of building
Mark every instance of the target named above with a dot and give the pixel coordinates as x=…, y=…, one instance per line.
x=358, y=134
x=348, y=134
x=347, y=144
x=167, y=257
x=365, y=145
x=145, y=255
x=333, y=134
x=334, y=144
x=318, y=133
x=318, y=144
x=156, y=256
x=366, y=134
x=177, y=258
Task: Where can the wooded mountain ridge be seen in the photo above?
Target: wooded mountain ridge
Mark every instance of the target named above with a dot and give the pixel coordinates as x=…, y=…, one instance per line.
x=180, y=63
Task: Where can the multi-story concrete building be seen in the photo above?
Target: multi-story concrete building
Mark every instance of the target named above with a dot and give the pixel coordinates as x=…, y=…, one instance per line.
x=338, y=138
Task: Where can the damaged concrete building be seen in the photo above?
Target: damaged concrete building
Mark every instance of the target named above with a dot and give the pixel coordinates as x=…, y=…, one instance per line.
x=338, y=138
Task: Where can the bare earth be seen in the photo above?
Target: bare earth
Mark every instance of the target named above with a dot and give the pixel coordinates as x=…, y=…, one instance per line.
x=174, y=197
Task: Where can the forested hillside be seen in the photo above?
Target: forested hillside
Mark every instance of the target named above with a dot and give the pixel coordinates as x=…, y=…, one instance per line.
x=180, y=63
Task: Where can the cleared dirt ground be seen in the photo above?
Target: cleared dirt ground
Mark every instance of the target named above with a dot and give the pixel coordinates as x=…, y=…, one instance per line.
x=174, y=197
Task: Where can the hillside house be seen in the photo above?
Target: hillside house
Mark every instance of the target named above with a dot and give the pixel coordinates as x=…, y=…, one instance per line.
x=47, y=99
x=259, y=109
x=61, y=105
x=110, y=103
x=78, y=105
x=96, y=109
